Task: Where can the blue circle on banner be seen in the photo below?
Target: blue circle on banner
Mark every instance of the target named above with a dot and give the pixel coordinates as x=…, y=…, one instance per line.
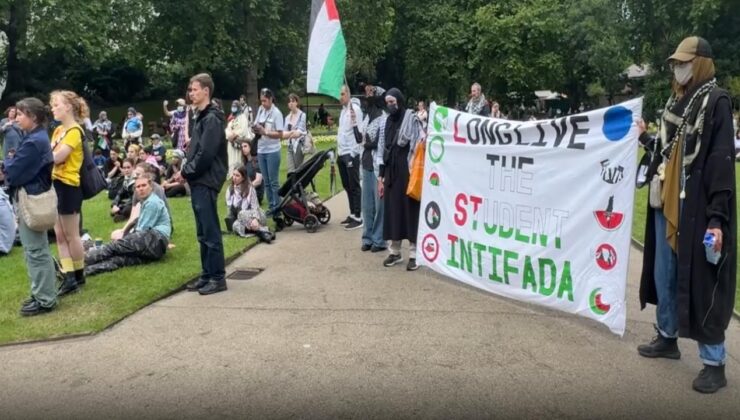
x=617, y=123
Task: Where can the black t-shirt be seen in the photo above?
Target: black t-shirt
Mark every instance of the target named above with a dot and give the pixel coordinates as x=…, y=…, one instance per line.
x=109, y=164
x=252, y=169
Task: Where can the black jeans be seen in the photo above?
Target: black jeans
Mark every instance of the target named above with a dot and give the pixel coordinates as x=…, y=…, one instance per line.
x=133, y=249
x=208, y=231
x=349, y=172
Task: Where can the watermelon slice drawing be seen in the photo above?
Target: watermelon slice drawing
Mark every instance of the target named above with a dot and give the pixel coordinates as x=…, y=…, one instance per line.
x=434, y=179
x=597, y=304
x=609, y=219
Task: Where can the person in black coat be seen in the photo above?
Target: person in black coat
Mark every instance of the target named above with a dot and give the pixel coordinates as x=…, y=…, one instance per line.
x=205, y=171
x=692, y=195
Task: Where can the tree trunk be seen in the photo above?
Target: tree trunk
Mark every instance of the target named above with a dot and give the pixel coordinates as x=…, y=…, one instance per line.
x=15, y=30
x=252, y=89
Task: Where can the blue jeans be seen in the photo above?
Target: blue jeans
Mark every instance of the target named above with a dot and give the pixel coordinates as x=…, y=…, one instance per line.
x=270, y=167
x=208, y=231
x=665, y=286
x=372, y=211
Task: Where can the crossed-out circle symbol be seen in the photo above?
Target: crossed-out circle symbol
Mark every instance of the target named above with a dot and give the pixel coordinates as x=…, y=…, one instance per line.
x=430, y=247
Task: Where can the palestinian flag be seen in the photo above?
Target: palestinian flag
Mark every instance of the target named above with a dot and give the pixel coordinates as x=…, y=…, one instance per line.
x=327, y=52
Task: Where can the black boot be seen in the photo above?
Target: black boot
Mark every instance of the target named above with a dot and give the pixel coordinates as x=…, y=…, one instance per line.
x=68, y=286
x=660, y=347
x=194, y=285
x=213, y=286
x=710, y=379
x=229, y=222
x=80, y=276
x=265, y=236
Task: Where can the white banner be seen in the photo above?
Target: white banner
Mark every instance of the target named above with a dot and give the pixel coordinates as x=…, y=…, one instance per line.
x=537, y=211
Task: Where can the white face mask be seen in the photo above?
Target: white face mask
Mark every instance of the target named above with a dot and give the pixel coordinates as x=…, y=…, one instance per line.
x=180, y=108
x=683, y=72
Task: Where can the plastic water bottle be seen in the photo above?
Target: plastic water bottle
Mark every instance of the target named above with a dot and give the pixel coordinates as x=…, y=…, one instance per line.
x=712, y=255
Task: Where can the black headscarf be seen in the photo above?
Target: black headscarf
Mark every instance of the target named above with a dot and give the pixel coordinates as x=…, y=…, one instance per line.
x=395, y=119
x=400, y=100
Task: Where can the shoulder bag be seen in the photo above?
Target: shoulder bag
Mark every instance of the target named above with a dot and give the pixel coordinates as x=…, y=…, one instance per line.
x=39, y=212
x=92, y=181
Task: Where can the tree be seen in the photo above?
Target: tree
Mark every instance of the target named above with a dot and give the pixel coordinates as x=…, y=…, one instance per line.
x=659, y=26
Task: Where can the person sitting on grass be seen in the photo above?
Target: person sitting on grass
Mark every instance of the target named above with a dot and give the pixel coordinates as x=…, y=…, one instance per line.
x=99, y=160
x=143, y=169
x=173, y=187
x=121, y=206
x=159, y=151
x=147, y=155
x=146, y=242
x=132, y=152
x=245, y=216
x=113, y=173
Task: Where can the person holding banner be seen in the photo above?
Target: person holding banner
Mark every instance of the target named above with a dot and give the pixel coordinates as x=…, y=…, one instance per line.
x=689, y=263
x=403, y=133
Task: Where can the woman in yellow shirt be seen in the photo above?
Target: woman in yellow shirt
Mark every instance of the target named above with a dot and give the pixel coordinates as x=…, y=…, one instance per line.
x=66, y=144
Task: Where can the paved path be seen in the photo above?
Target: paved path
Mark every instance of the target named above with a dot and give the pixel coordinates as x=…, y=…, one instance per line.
x=326, y=331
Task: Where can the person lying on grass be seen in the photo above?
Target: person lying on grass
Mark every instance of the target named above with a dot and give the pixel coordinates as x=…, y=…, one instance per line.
x=147, y=242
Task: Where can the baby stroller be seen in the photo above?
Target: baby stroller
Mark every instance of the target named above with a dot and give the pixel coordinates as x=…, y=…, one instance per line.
x=299, y=205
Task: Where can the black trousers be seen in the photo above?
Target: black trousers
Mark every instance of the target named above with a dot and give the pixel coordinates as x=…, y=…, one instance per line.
x=133, y=249
x=349, y=172
x=208, y=230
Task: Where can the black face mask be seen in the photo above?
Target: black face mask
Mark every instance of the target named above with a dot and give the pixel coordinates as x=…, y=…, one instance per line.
x=393, y=109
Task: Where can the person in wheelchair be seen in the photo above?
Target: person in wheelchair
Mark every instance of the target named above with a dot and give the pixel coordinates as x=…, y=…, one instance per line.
x=146, y=242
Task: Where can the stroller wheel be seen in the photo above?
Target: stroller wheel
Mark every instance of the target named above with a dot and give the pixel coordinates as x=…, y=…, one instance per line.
x=311, y=223
x=325, y=216
x=279, y=224
x=288, y=222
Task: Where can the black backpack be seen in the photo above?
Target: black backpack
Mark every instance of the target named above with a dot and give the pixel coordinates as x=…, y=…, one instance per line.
x=92, y=180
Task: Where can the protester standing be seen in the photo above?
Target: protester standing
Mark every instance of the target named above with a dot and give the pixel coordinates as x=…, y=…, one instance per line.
x=133, y=128
x=70, y=109
x=349, y=138
x=401, y=219
x=205, y=171
x=238, y=131
x=253, y=171
x=31, y=169
x=372, y=203
x=178, y=124
x=102, y=129
x=422, y=114
x=692, y=196
x=478, y=104
x=270, y=125
x=295, y=132
x=11, y=132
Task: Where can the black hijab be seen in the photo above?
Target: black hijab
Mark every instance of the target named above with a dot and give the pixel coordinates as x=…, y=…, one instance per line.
x=395, y=119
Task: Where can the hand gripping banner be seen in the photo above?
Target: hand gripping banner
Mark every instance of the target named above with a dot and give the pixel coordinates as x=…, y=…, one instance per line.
x=537, y=211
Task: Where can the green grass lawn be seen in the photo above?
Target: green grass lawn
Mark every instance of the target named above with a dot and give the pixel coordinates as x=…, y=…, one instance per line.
x=638, y=223
x=109, y=297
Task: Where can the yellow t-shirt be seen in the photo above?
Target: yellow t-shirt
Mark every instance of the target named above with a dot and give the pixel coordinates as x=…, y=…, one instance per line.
x=69, y=171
